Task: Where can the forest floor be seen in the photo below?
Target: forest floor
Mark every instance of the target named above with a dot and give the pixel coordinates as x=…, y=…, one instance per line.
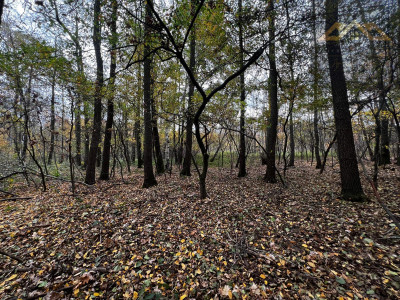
x=248, y=240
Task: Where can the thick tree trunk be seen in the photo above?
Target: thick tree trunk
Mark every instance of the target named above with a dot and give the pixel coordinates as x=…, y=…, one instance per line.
x=105, y=168
x=273, y=102
x=242, y=142
x=187, y=160
x=94, y=145
x=350, y=178
x=1, y=9
x=149, y=179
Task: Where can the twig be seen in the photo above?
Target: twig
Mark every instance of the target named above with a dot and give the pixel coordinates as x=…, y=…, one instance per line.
x=8, y=193
x=12, y=256
x=15, y=199
x=12, y=174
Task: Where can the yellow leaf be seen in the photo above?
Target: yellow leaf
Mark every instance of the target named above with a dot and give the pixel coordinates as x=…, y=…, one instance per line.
x=311, y=264
x=182, y=240
x=135, y=295
x=198, y=272
x=11, y=277
x=183, y=297
x=304, y=245
x=183, y=266
x=96, y=294
x=263, y=276
x=265, y=282
x=76, y=292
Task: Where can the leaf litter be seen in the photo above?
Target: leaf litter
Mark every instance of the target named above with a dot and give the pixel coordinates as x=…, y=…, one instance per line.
x=248, y=240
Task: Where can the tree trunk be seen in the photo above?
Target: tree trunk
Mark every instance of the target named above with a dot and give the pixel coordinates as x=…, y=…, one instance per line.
x=242, y=142
x=384, y=157
x=149, y=179
x=187, y=160
x=273, y=101
x=87, y=131
x=52, y=119
x=292, y=144
x=315, y=90
x=156, y=141
x=1, y=9
x=91, y=164
x=350, y=178
x=105, y=168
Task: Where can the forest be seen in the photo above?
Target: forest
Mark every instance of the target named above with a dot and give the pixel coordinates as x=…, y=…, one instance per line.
x=199, y=149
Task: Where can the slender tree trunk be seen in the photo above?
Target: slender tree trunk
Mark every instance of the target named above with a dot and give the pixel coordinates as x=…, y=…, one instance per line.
x=384, y=157
x=292, y=144
x=350, y=178
x=242, y=143
x=156, y=141
x=315, y=89
x=62, y=125
x=94, y=146
x=52, y=119
x=105, y=167
x=149, y=179
x=187, y=160
x=138, y=144
x=272, y=123
x=366, y=138
x=87, y=131
x=78, y=127
x=137, y=126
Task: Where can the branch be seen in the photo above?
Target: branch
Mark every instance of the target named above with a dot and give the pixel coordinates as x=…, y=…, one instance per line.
x=11, y=256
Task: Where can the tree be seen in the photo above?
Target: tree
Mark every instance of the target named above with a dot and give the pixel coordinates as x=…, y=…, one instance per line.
x=105, y=167
x=315, y=89
x=349, y=174
x=91, y=164
x=1, y=9
x=149, y=178
x=242, y=143
x=176, y=48
x=187, y=160
x=272, y=123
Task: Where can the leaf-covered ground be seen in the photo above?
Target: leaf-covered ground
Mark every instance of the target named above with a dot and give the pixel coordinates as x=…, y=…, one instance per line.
x=249, y=240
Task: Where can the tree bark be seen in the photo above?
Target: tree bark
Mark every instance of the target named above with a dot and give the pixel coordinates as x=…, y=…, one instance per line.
x=242, y=142
x=187, y=160
x=105, y=167
x=315, y=90
x=91, y=164
x=156, y=140
x=149, y=178
x=272, y=122
x=350, y=178
x=1, y=9
x=52, y=118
